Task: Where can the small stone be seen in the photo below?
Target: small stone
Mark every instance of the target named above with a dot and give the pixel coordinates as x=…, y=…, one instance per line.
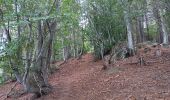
x=131, y=98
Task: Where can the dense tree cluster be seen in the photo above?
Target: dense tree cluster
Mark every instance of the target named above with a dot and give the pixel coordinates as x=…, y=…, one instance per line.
x=38, y=32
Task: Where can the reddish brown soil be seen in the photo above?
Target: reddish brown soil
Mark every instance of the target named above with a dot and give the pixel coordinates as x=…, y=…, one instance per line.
x=84, y=80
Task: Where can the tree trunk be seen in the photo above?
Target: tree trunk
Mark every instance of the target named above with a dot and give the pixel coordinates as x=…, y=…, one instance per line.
x=37, y=81
x=164, y=29
x=146, y=20
x=129, y=32
x=73, y=36
x=17, y=16
x=12, y=62
x=159, y=23
x=140, y=28
x=66, y=52
x=147, y=27
x=163, y=34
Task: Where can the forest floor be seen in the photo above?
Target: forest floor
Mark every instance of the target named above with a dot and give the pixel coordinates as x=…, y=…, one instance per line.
x=84, y=79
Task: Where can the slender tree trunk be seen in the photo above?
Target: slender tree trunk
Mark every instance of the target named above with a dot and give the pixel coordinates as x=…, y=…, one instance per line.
x=52, y=29
x=129, y=32
x=147, y=26
x=140, y=28
x=125, y=5
x=13, y=65
x=16, y=71
x=164, y=29
x=163, y=34
x=159, y=23
x=66, y=50
x=16, y=12
x=146, y=20
x=19, y=50
x=74, y=43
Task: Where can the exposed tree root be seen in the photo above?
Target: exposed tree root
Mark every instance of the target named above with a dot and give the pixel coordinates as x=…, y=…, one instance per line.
x=62, y=63
x=8, y=94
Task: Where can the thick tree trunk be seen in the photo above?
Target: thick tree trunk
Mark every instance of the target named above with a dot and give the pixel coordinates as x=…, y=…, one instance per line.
x=37, y=80
x=28, y=56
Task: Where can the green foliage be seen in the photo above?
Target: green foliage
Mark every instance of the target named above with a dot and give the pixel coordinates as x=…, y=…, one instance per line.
x=87, y=47
x=105, y=27
x=10, y=57
x=152, y=32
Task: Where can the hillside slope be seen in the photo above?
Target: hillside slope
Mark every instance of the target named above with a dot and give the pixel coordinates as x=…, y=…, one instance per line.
x=85, y=80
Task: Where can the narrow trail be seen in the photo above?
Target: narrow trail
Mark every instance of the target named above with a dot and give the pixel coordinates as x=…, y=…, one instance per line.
x=68, y=80
x=84, y=80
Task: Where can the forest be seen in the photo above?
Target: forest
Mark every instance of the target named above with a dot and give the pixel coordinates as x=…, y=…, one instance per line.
x=84, y=49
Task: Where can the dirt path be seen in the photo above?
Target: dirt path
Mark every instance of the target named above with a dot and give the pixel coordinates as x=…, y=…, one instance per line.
x=84, y=80
x=69, y=80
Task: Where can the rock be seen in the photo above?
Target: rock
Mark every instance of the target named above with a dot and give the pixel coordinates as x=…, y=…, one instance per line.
x=131, y=98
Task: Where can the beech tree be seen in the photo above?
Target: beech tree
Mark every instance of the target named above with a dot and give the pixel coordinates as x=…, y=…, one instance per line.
x=126, y=10
x=31, y=27
x=32, y=46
